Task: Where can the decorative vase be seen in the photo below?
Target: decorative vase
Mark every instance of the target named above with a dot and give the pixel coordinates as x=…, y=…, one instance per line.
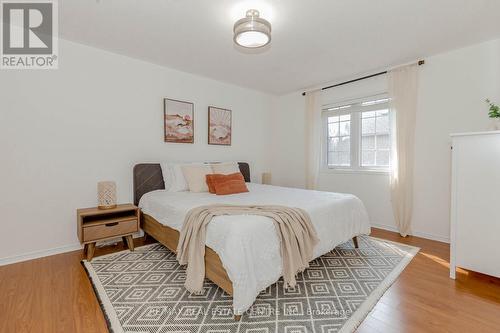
x=495, y=124
x=106, y=195
x=266, y=178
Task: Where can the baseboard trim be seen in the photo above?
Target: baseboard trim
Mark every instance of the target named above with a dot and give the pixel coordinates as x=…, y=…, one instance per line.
x=384, y=227
x=431, y=237
x=39, y=254
x=50, y=252
x=414, y=233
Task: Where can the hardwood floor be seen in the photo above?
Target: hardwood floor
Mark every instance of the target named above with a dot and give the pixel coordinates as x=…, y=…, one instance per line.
x=425, y=299
x=53, y=294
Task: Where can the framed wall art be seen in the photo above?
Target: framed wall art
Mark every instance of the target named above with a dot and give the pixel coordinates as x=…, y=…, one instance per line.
x=219, y=126
x=178, y=121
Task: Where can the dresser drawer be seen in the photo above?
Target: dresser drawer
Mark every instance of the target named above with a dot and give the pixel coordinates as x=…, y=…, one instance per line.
x=111, y=229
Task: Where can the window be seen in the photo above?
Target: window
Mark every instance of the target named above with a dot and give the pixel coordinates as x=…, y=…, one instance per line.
x=358, y=135
x=375, y=138
x=339, y=140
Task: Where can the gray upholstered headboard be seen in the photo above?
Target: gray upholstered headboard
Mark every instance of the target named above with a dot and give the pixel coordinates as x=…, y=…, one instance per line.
x=148, y=177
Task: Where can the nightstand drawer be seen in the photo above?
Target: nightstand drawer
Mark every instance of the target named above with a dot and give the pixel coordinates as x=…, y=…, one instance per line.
x=111, y=229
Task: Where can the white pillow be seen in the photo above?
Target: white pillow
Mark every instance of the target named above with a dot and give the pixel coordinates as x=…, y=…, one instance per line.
x=179, y=183
x=195, y=175
x=168, y=177
x=226, y=168
x=173, y=177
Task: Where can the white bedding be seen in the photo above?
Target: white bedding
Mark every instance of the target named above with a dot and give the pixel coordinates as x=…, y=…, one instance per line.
x=248, y=245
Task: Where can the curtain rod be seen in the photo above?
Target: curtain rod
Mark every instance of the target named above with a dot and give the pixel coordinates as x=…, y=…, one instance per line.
x=420, y=63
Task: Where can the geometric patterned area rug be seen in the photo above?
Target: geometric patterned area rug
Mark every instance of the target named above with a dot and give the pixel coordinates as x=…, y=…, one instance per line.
x=142, y=291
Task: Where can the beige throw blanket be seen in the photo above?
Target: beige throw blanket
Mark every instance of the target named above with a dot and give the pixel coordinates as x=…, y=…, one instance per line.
x=293, y=225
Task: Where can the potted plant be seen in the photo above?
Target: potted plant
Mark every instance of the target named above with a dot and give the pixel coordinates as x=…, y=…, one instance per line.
x=494, y=114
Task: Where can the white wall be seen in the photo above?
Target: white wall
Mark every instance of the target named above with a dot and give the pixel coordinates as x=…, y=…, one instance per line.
x=288, y=145
x=64, y=130
x=452, y=90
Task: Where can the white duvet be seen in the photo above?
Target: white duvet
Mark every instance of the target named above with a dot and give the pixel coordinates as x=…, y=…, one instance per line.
x=248, y=245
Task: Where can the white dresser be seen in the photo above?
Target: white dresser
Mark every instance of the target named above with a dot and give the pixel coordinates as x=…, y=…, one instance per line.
x=475, y=203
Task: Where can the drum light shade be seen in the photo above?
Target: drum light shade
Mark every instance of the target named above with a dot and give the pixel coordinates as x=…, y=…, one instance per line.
x=252, y=31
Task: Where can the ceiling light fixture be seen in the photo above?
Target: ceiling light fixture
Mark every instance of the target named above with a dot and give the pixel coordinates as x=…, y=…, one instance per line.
x=252, y=31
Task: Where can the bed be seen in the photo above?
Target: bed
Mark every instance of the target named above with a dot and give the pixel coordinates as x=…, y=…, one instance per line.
x=242, y=254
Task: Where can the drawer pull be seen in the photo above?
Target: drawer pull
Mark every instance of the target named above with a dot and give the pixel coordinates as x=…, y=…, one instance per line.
x=111, y=224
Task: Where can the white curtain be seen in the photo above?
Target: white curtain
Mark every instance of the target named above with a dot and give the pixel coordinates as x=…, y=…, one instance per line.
x=313, y=137
x=402, y=84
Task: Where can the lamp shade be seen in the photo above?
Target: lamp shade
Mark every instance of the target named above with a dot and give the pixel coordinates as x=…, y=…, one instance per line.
x=266, y=178
x=106, y=195
x=252, y=31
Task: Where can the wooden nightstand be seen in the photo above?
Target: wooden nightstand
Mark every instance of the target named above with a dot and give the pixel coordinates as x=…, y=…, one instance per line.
x=96, y=224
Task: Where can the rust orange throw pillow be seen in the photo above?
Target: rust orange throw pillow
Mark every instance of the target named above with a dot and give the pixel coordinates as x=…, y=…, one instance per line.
x=231, y=187
x=210, y=182
x=226, y=184
x=216, y=177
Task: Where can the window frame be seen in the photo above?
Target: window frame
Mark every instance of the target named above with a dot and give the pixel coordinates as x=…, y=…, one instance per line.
x=326, y=124
x=355, y=110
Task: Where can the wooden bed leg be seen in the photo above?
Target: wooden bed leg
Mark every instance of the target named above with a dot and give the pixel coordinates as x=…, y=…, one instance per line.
x=145, y=237
x=237, y=317
x=355, y=241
